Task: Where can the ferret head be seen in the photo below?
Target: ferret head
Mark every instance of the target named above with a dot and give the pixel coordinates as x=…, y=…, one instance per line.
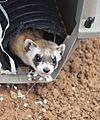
x=43, y=56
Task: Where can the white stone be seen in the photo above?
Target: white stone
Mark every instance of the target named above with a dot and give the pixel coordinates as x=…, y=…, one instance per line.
x=73, y=88
x=40, y=117
x=25, y=105
x=29, y=116
x=15, y=87
x=26, y=118
x=45, y=101
x=1, y=98
x=38, y=102
x=8, y=86
x=20, y=94
x=44, y=110
x=88, y=102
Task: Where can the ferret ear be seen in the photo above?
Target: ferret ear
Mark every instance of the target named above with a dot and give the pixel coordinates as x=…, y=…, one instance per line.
x=28, y=44
x=61, y=49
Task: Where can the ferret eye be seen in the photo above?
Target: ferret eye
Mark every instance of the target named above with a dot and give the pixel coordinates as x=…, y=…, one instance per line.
x=38, y=58
x=54, y=60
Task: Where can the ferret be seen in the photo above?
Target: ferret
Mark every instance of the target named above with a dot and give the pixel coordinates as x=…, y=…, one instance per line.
x=42, y=55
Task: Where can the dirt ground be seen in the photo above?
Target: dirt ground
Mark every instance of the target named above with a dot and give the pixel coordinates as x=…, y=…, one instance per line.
x=74, y=95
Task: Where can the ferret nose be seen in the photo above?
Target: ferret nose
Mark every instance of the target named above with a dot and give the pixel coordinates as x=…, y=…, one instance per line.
x=46, y=70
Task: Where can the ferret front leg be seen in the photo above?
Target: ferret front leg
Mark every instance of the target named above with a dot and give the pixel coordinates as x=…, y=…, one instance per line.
x=32, y=75
x=48, y=78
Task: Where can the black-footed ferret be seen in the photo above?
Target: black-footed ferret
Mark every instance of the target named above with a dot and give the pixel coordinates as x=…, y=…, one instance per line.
x=36, y=52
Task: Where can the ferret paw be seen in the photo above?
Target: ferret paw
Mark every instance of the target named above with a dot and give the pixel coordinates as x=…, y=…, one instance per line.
x=5, y=72
x=32, y=75
x=48, y=78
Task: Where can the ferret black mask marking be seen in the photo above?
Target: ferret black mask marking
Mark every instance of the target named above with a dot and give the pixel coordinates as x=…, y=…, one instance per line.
x=44, y=59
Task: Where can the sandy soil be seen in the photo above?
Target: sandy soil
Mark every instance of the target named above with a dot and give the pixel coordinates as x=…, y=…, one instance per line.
x=74, y=95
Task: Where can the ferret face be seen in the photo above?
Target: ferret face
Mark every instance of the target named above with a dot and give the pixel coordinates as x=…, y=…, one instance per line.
x=43, y=59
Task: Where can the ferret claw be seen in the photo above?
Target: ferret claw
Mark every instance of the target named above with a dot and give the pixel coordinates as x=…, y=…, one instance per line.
x=48, y=78
x=33, y=76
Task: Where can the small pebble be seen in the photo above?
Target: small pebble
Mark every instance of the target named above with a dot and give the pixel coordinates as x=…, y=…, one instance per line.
x=13, y=95
x=25, y=105
x=26, y=118
x=15, y=87
x=73, y=88
x=1, y=98
x=20, y=95
x=44, y=110
x=29, y=116
x=38, y=102
x=45, y=101
x=8, y=86
x=40, y=117
x=88, y=102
